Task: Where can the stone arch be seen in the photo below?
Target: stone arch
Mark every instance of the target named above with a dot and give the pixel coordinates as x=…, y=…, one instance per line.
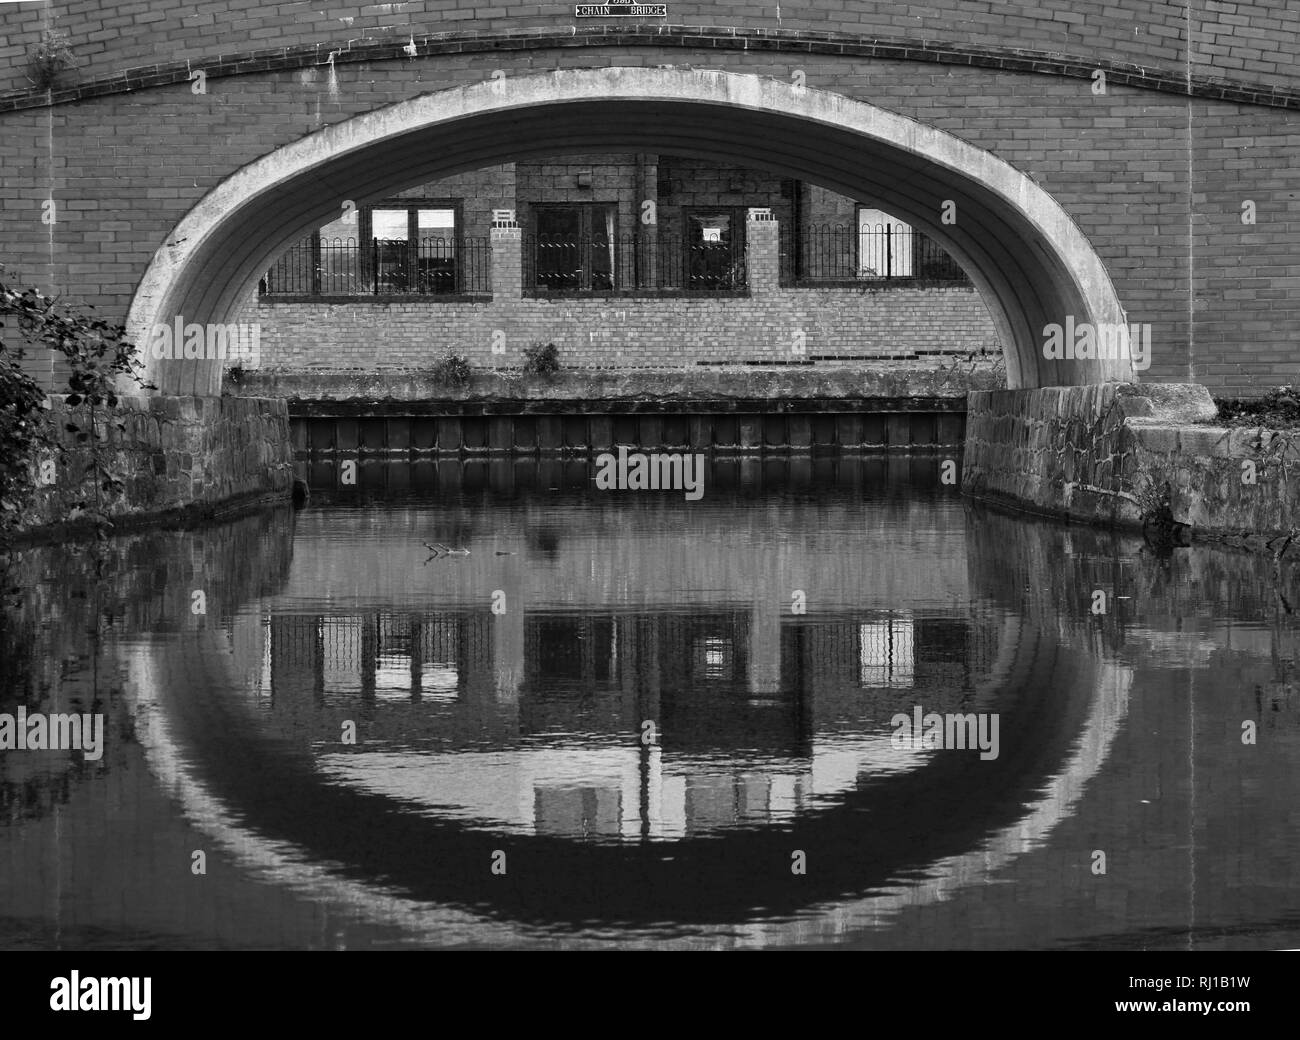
x=1032, y=264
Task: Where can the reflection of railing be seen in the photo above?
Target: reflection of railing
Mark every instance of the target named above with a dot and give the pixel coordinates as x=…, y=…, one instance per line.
x=887, y=653
x=891, y=253
x=343, y=267
x=394, y=652
x=632, y=262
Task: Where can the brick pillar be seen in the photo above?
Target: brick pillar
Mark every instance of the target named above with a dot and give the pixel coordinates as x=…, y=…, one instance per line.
x=762, y=252
x=507, y=256
x=647, y=239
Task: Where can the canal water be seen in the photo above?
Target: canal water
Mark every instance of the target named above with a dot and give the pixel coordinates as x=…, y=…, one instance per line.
x=488, y=704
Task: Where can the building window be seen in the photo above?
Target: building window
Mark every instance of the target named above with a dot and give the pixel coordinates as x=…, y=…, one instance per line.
x=714, y=249
x=414, y=248
x=884, y=245
x=876, y=247
x=578, y=248
x=574, y=247
x=402, y=247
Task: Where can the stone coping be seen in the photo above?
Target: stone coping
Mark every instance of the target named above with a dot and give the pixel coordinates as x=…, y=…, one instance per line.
x=771, y=384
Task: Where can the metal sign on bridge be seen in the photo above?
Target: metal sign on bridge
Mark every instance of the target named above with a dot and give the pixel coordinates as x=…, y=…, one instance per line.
x=620, y=10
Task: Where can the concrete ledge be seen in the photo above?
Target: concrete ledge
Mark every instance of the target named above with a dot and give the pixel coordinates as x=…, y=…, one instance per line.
x=674, y=386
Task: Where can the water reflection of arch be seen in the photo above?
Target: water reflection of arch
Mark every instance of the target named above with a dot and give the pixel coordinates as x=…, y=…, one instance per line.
x=213, y=754
x=53, y=642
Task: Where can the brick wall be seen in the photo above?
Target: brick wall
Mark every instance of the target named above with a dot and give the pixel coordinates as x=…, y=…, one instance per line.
x=768, y=324
x=478, y=192
x=1252, y=40
x=628, y=331
x=613, y=180
x=700, y=184
x=126, y=171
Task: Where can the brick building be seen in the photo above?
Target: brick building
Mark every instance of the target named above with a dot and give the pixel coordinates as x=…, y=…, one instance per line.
x=623, y=260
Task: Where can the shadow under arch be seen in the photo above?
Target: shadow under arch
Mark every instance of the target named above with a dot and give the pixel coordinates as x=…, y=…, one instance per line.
x=1030, y=261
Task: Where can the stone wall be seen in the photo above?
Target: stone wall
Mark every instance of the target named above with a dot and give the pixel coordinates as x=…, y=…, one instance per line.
x=175, y=454
x=1117, y=452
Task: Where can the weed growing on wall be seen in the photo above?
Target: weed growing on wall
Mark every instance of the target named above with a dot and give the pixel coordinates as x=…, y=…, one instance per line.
x=542, y=360
x=51, y=58
x=452, y=370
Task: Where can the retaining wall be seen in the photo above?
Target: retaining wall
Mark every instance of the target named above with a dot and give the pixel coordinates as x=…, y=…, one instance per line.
x=1117, y=453
x=175, y=455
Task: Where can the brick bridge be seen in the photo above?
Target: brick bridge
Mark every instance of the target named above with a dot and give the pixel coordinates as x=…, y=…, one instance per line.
x=1082, y=162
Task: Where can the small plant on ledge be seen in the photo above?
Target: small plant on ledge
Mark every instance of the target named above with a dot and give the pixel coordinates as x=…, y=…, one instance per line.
x=50, y=59
x=542, y=360
x=452, y=370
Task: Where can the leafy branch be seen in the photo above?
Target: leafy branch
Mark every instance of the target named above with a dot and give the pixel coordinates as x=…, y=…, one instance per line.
x=97, y=357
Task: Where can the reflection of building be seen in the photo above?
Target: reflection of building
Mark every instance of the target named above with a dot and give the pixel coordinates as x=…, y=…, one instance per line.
x=385, y=655
x=701, y=658
x=564, y=755
x=886, y=652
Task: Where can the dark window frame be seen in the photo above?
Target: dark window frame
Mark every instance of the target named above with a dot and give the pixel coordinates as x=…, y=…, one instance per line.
x=585, y=209
x=739, y=243
x=367, y=242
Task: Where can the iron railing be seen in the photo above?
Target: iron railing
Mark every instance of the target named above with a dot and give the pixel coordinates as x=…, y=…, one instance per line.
x=344, y=267
x=874, y=254
x=642, y=262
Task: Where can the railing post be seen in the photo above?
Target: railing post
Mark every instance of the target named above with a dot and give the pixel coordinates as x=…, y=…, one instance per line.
x=507, y=256
x=762, y=252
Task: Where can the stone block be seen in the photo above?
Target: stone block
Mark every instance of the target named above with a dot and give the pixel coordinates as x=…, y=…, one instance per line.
x=1161, y=440
x=1204, y=441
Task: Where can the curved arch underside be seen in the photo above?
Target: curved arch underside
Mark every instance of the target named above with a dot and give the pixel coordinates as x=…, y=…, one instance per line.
x=1029, y=260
